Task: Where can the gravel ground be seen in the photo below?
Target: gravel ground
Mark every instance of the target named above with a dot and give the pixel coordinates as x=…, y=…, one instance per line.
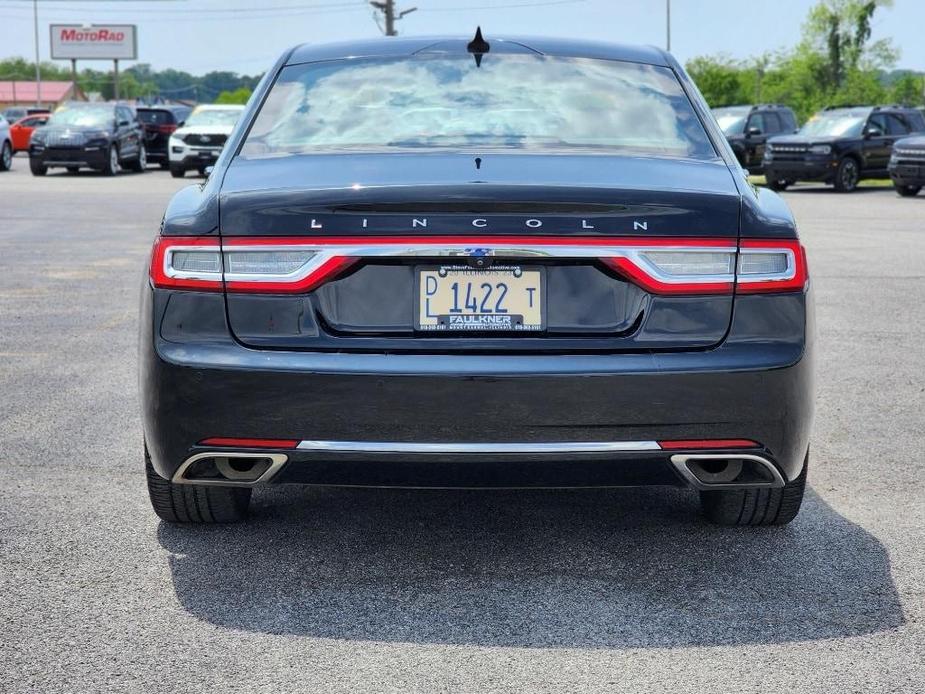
x=376, y=590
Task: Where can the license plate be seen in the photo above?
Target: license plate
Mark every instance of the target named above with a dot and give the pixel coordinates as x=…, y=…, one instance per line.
x=506, y=298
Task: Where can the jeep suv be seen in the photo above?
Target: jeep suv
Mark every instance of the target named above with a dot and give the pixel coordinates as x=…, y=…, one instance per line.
x=840, y=146
x=747, y=128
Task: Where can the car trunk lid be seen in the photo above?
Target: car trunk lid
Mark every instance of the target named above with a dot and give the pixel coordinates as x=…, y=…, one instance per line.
x=524, y=212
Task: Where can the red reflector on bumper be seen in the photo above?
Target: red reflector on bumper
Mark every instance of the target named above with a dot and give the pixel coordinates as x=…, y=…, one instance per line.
x=709, y=443
x=249, y=443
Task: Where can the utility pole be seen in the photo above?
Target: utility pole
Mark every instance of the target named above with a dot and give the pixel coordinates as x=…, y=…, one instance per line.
x=668, y=25
x=38, y=72
x=387, y=8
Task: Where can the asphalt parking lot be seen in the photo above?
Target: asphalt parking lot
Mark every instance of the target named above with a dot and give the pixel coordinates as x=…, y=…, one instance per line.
x=378, y=590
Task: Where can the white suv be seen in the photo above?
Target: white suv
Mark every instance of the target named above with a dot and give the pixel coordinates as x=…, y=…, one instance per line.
x=199, y=142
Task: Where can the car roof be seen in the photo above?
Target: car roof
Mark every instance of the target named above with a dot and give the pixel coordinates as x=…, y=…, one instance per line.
x=752, y=107
x=408, y=46
x=164, y=107
x=219, y=107
x=849, y=110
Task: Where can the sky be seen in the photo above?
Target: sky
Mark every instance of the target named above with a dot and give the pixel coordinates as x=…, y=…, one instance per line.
x=246, y=36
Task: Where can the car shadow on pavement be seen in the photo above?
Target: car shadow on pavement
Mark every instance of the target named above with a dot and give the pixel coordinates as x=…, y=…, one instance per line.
x=589, y=568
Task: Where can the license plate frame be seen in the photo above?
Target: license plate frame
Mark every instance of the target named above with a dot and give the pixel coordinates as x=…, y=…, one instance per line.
x=478, y=322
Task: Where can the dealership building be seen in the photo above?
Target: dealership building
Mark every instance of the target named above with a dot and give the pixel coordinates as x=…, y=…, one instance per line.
x=50, y=94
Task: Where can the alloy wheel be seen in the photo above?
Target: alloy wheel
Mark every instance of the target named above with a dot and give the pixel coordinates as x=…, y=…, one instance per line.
x=849, y=175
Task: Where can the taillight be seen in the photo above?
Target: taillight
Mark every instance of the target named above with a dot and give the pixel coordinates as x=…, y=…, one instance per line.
x=681, y=267
x=187, y=263
x=167, y=129
x=197, y=263
x=296, y=265
x=771, y=266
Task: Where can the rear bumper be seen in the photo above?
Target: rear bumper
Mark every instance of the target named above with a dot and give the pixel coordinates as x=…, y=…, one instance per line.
x=757, y=385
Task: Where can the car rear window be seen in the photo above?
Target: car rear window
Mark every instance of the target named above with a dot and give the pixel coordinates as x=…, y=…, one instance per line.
x=155, y=117
x=511, y=101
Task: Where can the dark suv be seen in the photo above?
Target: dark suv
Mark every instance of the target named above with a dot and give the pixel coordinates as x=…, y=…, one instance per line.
x=104, y=137
x=747, y=128
x=159, y=123
x=840, y=146
x=907, y=166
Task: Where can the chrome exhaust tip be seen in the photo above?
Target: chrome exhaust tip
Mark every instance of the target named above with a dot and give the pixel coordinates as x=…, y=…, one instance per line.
x=229, y=469
x=727, y=470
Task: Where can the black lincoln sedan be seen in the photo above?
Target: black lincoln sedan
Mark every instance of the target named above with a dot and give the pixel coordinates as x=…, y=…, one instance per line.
x=477, y=263
x=101, y=136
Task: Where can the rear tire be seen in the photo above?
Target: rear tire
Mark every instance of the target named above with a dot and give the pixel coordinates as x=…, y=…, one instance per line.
x=756, y=506
x=36, y=168
x=847, y=175
x=192, y=503
x=907, y=191
x=141, y=163
x=6, y=156
x=177, y=171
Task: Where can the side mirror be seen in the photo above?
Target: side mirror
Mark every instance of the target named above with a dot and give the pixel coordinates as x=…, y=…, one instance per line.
x=209, y=170
x=872, y=131
x=753, y=130
x=123, y=123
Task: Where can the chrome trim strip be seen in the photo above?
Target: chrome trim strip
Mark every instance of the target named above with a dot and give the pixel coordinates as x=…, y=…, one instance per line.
x=680, y=461
x=483, y=448
x=277, y=460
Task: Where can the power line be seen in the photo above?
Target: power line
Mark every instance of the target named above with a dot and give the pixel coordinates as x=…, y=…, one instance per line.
x=535, y=3
x=320, y=8
x=242, y=14
x=184, y=11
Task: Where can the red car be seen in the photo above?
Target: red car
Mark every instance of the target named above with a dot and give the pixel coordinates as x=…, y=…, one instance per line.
x=21, y=130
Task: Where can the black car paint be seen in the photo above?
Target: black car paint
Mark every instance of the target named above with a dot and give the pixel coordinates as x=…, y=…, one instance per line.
x=907, y=163
x=156, y=140
x=870, y=151
x=749, y=146
x=200, y=379
x=125, y=135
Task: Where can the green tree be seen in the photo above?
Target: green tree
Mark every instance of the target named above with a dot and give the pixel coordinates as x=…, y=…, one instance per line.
x=908, y=89
x=238, y=96
x=719, y=79
x=840, y=30
x=834, y=63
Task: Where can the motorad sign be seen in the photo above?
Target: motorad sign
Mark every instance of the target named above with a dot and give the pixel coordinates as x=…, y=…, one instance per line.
x=93, y=42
